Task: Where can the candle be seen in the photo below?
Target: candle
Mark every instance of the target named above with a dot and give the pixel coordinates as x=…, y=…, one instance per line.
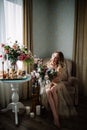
x=27, y=110
x=3, y=68
x=38, y=108
x=32, y=114
x=7, y=66
x=7, y=62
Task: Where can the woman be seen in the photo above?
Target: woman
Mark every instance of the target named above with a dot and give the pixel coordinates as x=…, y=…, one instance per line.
x=55, y=93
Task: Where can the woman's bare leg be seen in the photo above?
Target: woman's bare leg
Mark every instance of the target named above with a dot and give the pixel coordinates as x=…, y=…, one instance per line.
x=55, y=97
x=53, y=108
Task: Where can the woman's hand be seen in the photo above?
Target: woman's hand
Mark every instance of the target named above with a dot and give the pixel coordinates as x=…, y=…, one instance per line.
x=59, y=69
x=51, y=85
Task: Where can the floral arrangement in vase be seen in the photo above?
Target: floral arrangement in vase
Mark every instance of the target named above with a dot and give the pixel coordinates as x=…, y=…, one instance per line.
x=15, y=53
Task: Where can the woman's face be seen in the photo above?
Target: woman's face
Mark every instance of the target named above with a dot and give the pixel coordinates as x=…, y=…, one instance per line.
x=55, y=57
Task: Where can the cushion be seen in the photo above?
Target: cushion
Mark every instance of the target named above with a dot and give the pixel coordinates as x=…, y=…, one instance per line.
x=45, y=60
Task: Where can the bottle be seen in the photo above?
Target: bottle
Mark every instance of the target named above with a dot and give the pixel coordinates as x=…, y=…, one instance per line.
x=35, y=95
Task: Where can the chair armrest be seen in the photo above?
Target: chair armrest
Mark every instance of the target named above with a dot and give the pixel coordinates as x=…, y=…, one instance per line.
x=73, y=80
x=75, y=83
x=72, y=86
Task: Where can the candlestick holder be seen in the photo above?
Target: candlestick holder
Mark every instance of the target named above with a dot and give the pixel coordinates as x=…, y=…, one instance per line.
x=8, y=73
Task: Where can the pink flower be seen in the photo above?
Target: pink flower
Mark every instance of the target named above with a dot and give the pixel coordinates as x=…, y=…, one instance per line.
x=0, y=56
x=15, y=46
x=17, y=53
x=27, y=56
x=21, y=57
x=6, y=51
x=36, y=60
x=2, y=45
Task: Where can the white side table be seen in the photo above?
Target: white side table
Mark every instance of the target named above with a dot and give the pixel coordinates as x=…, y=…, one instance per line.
x=15, y=105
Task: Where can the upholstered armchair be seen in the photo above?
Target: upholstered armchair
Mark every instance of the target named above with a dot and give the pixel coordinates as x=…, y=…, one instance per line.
x=72, y=82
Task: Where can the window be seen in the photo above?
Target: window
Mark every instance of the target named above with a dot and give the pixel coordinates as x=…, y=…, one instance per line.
x=14, y=19
x=11, y=23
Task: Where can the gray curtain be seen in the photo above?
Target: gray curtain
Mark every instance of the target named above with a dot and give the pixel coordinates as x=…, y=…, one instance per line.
x=80, y=45
x=27, y=39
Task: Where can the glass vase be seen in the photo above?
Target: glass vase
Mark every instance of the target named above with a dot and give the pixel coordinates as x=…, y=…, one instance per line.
x=14, y=67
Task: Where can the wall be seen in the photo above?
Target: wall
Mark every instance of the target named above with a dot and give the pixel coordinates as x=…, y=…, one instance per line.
x=53, y=27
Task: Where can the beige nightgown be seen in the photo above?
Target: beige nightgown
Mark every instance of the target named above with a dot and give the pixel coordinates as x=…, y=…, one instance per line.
x=65, y=104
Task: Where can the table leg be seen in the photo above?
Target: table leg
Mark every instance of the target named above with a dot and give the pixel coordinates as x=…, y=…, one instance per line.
x=16, y=115
x=15, y=105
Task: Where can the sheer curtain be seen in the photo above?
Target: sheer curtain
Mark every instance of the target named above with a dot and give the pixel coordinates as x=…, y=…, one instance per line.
x=11, y=27
x=2, y=22
x=14, y=20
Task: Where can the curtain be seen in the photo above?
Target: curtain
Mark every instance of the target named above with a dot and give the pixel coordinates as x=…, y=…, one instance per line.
x=14, y=20
x=80, y=46
x=11, y=25
x=2, y=22
x=27, y=38
x=4, y=96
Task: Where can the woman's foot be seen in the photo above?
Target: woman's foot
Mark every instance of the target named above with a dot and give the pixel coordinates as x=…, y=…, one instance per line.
x=56, y=123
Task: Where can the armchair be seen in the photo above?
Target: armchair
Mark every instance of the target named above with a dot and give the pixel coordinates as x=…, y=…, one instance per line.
x=72, y=82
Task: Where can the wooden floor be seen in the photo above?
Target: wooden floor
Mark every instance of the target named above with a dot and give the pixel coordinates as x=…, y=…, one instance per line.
x=45, y=121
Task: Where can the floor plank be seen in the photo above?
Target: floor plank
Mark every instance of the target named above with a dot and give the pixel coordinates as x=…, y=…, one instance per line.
x=45, y=121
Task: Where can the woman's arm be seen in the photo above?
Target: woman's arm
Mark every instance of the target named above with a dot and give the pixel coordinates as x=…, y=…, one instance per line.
x=62, y=72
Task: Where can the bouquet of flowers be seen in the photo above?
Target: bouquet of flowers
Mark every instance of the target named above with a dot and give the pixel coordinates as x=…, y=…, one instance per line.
x=41, y=73
x=39, y=69
x=51, y=73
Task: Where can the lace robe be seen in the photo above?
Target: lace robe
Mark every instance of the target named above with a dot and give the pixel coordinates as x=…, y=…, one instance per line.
x=65, y=104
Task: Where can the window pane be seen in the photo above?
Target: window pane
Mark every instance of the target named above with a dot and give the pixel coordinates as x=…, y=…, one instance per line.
x=11, y=14
x=14, y=20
